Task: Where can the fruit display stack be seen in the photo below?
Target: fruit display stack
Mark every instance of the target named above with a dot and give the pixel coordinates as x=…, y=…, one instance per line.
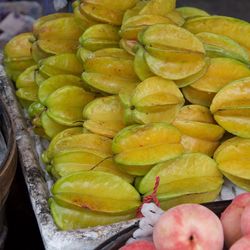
x=128, y=91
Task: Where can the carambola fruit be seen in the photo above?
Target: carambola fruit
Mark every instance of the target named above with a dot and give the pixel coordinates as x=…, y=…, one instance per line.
x=198, y=128
x=183, y=180
x=50, y=85
x=81, y=19
x=236, y=29
x=76, y=139
x=193, y=78
x=35, y=109
x=191, y=12
x=100, y=36
x=104, y=116
x=172, y=52
x=65, y=133
x=158, y=7
x=41, y=121
x=38, y=53
x=56, y=36
x=70, y=218
x=143, y=15
x=184, y=167
x=233, y=160
x=109, y=165
x=105, y=11
x=97, y=191
x=18, y=48
x=196, y=96
x=197, y=197
x=223, y=46
x=134, y=25
x=146, y=144
x=51, y=127
x=230, y=107
x=66, y=63
x=140, y=65
x=26, y=87
x=107, y=71
x=154, y=100
x=40, y=21
x=134, y=11
x=74, y=160
x=17, y=55
x=65, y=105
x=156, y=94
x=167, y=36
x=221, y=71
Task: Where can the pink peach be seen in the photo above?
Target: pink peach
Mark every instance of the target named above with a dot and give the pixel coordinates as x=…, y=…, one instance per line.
x=241, y=244
x=139, y=245
x=231, y=218
x=189, y=227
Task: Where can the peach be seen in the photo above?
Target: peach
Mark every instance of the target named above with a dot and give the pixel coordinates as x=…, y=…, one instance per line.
x=231, y=218
x=189, y=227
x=139, y=245
x=245, y=221
x=241, y=244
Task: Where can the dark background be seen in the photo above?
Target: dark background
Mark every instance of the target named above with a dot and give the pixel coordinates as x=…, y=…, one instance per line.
x=23, y=230
x=234, y=8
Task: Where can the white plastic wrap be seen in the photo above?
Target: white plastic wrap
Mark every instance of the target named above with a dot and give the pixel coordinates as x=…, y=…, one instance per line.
x=151, y=214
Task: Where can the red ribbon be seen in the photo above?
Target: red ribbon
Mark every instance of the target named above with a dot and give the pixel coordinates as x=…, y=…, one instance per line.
x=150, y=198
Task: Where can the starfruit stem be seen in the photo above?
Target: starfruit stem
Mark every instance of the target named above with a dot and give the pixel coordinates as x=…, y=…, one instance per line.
x=150, y=198
x=109, y=157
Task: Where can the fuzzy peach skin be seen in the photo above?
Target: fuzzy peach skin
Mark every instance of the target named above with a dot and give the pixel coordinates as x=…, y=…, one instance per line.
x=189, y=227
x=231, y=218
x=241, y=244
x=139, y=245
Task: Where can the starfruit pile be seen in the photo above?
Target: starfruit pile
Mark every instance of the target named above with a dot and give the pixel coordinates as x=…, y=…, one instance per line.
x=128, y=91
